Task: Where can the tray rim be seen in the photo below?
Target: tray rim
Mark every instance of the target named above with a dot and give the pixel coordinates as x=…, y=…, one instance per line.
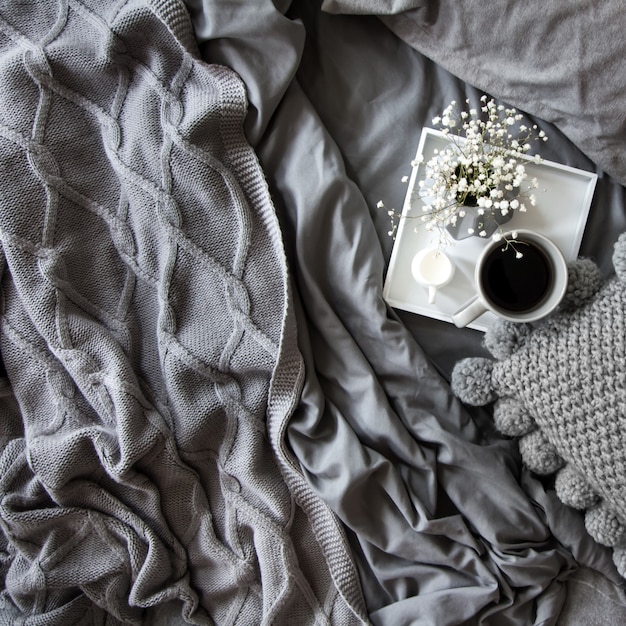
x=429, y=135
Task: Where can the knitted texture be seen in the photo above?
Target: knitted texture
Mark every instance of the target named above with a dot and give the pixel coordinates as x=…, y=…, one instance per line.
x=148, y=340
x=560, y=387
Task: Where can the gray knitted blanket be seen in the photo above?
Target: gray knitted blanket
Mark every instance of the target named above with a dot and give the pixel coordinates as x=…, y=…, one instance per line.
x=148, y=340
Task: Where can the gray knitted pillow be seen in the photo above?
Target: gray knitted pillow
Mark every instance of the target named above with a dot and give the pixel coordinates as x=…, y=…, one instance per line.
x=560, y=388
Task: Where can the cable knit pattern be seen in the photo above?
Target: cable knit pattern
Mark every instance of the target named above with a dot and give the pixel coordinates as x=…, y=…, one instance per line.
x=561, y=388
x=149, y=345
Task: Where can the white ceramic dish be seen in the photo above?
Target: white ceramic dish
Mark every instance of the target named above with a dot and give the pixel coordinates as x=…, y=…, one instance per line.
x=563, y=201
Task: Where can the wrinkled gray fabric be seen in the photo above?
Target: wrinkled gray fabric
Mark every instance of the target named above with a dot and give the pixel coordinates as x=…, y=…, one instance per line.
x=149, y=341
x=372, y=7
x=443, y=528
x=593, y=601
x=565, y=63
x=444, y=525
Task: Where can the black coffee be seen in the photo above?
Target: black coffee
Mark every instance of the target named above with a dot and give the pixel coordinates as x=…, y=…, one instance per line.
x=517, y=284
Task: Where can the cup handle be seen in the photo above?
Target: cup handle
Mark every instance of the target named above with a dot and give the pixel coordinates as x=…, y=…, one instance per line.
x=432, y=294
x=472, y=309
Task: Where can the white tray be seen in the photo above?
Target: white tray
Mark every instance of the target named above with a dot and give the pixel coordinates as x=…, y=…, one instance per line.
x=560, y=214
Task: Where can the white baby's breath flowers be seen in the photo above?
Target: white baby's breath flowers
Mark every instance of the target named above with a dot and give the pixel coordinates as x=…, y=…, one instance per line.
x=485, y=169
x=483, y=166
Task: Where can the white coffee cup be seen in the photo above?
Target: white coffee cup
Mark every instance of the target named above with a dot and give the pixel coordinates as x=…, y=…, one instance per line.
x=432, y=269
x=521, y=278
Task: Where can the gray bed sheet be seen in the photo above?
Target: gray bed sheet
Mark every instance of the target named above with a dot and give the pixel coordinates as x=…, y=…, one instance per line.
x=446, y=526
